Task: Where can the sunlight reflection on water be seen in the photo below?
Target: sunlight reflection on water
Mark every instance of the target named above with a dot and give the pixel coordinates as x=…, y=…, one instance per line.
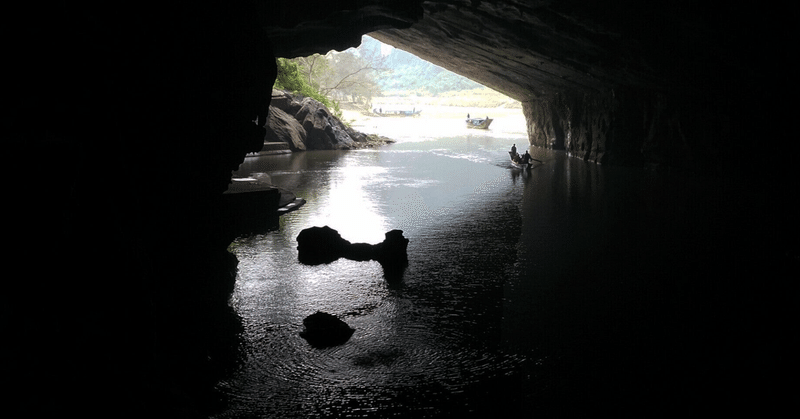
x=349, y=207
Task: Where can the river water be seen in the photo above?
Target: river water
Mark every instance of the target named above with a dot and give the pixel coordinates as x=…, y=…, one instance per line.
x=559, y=290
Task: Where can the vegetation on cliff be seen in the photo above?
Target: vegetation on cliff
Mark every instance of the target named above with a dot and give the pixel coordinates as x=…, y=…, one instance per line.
x=291, y=79
x=371, y=70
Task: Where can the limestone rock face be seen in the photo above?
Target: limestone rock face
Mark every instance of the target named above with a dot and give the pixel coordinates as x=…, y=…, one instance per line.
x=319, y=124
x=307, y=124
x=285, y=102
x=284, y=127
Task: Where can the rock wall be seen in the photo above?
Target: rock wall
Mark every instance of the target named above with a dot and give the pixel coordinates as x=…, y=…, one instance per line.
x=662, y=83
x=627, y=127
x=654, y=83
x=122, y=127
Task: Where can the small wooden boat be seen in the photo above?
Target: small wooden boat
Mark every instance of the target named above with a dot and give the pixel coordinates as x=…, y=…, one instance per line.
x=479, y=123
x=515, y=162
x=396, y=112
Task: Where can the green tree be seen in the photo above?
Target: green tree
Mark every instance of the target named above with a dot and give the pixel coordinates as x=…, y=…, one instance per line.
x=350, y=75
x=291, y=78
x=314, y=68
x=340, y=75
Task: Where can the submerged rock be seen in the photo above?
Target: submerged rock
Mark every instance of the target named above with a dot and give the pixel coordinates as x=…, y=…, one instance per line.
x=324, y=330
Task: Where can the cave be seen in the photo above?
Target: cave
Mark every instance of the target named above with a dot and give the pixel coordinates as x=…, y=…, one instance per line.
x=126, y=120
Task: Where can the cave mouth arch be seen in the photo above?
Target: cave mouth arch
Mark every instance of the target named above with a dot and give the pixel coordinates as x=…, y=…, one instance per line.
x=374, y=77
x=627, y=84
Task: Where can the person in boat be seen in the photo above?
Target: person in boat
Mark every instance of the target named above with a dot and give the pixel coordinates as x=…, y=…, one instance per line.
x=513, y=149
x=467, y=116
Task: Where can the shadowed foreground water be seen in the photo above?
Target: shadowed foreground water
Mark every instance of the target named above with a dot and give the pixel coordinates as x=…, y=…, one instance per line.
x=572, y=288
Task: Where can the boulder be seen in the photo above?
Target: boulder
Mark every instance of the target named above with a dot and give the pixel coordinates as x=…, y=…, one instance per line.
x=358, y=137
x=359, y=252
x=317, y=245
x=392, y=255
x=282, y=127
x=323, y=130
x=325, y=330
x=393, y=249
x=284, y=101
x=307, y=124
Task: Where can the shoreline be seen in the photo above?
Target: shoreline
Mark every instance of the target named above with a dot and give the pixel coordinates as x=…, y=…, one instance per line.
x=447, y=105
x=360, y=118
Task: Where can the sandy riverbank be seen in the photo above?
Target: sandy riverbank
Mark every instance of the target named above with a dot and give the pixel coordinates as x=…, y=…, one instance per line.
x=451, y=105
x=437, y=121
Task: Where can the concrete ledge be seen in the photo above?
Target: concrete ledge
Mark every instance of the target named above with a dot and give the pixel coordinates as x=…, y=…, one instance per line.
x=260, y=196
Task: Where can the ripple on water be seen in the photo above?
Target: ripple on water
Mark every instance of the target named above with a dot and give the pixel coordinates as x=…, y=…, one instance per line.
x=394, y=361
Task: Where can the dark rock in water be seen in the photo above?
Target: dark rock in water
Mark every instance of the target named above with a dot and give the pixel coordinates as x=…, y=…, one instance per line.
x=359, y=252
x=393, y=272
x=393, y=249
x=317, y=245
x=324, y=330
x=392, y=254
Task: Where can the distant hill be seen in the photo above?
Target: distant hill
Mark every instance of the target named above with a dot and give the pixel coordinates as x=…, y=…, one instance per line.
x=404, y=71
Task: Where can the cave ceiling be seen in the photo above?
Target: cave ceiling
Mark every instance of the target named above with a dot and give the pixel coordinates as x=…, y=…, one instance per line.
x=532, y=49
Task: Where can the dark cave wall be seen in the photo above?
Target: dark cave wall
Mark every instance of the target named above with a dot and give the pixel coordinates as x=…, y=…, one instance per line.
x=631, y=127
x=678, y=84
x=669, y=84
x=122, y=128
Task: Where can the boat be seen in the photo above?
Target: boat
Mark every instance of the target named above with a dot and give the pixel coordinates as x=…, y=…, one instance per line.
x=396, y=112
x=479, y=123
x=515, y=162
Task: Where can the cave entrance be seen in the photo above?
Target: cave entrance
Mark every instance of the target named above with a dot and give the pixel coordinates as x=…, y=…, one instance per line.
x=378, y=80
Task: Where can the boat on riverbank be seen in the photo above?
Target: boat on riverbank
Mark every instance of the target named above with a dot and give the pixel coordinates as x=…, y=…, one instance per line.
x=397, y=112
x=479, y=123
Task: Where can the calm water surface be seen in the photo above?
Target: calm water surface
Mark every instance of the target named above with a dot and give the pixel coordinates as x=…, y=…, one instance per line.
x=522, y=289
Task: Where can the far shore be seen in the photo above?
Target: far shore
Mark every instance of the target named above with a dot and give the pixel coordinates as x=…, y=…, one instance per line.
x=476, y=103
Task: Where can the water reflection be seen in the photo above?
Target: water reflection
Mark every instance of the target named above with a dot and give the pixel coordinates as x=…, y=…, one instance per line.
x=349, y=207
x=567, y=288
x=419, y=343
